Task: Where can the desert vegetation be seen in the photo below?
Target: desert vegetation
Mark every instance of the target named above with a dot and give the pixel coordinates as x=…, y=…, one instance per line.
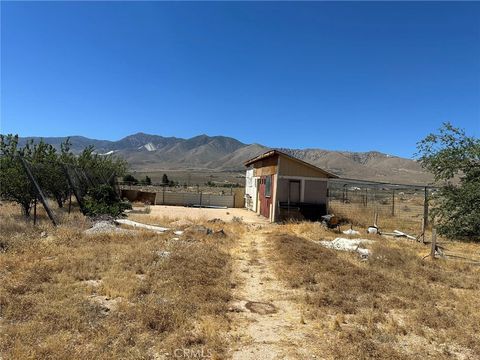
x=129, y=294
x=395, y=305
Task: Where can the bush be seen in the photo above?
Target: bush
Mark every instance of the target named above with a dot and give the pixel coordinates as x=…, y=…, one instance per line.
x=102, y=200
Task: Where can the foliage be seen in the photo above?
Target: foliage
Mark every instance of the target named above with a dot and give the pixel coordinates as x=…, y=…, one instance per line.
x=48, y=167
x=14, y=183
x=165, y=180
x=129, y=178
x=103, y=200
x=224, y=185
x=146, y=181
x=452, y=155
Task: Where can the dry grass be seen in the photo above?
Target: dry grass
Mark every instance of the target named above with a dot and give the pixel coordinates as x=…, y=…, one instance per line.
x=104, y=296
x=362, y=217
x=392, y=306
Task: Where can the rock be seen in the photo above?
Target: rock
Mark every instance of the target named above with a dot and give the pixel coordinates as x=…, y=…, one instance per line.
x=43, y=234
x=102, y=227
x=163, y=254
x=199, y=229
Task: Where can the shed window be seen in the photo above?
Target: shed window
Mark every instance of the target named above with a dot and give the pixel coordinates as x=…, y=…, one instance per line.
x=268, y=186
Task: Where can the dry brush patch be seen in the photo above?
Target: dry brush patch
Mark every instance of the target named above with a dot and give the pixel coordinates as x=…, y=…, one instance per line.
x=392, y=306
x=117, y=295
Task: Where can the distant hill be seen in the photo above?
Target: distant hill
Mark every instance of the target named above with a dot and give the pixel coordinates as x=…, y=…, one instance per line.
x=145, y=152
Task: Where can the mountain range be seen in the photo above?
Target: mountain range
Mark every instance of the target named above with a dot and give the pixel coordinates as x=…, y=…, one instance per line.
x=145, y=152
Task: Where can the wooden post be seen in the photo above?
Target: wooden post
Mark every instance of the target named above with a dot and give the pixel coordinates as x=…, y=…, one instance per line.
x=425, y=214
x=39, y=190
x=35, y=211
x=73, y=188
x=434, y=243
x=393, y=202
x=425, y=207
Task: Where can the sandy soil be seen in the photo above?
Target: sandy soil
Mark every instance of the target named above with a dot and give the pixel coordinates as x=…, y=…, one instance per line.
x=182, y=212
x=257, y=332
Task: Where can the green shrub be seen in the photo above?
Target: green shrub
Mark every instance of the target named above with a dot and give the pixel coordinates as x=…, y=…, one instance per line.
x=102, y=200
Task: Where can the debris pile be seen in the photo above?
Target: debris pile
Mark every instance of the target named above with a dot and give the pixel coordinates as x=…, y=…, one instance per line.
x=104, y=227
x=348, y=245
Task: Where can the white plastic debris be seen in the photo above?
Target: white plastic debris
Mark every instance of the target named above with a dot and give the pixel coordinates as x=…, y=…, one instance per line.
x=372, y=230
x=402, y=234
x=351, y=232
x=348, y=245
x=178, y=232
x=140, y=225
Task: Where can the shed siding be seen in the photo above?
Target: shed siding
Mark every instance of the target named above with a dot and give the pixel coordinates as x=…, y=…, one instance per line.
x=266, y=166
x=282, y=190
x=290, y=167
x=315, y=192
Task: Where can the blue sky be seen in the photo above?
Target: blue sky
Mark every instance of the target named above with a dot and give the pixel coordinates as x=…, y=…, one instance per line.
x=348, y=76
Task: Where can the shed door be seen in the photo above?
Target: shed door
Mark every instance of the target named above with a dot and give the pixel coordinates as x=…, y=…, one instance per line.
x=294, y=191
x=266, y=195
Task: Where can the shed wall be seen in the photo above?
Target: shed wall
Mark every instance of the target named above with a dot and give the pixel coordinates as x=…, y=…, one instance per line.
x=315, y=192
x=290, y=167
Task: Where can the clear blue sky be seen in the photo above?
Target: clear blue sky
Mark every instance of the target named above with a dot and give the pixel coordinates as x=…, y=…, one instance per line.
x=350, y=76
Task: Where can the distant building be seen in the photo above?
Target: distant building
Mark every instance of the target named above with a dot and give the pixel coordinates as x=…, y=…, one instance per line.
x=279, y=187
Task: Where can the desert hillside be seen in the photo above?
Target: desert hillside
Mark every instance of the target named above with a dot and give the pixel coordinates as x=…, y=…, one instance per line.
x=146, y=153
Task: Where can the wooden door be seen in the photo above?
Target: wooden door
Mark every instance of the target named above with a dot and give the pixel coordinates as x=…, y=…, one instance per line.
x=266, y=195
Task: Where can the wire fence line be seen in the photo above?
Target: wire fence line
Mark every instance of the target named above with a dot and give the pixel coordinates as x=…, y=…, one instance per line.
x=368, y=199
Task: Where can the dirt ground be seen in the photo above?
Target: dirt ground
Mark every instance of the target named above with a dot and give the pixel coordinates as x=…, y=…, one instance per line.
x=191, y=213
x=268, y=324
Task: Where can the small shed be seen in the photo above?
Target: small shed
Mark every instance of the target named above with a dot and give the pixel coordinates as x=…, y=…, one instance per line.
x=280, y=187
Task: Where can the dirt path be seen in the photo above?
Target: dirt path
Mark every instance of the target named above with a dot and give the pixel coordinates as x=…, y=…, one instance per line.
x=260, y=330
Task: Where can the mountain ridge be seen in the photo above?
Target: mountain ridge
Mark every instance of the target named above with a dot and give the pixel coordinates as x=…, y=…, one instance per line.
x=147, y=152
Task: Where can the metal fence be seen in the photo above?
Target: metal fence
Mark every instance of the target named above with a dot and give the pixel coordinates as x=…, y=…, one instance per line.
x=373, y=200
x=182, y=198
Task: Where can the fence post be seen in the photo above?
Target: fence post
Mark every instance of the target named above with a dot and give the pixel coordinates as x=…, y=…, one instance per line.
x=35, y=211
x=434, y=243
x=425, y=210
x=201, y=198
x=71, y=184
x=425, y=207
x=393, y=202
x=39, y=190
x=163, y=195
x=366, y=197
